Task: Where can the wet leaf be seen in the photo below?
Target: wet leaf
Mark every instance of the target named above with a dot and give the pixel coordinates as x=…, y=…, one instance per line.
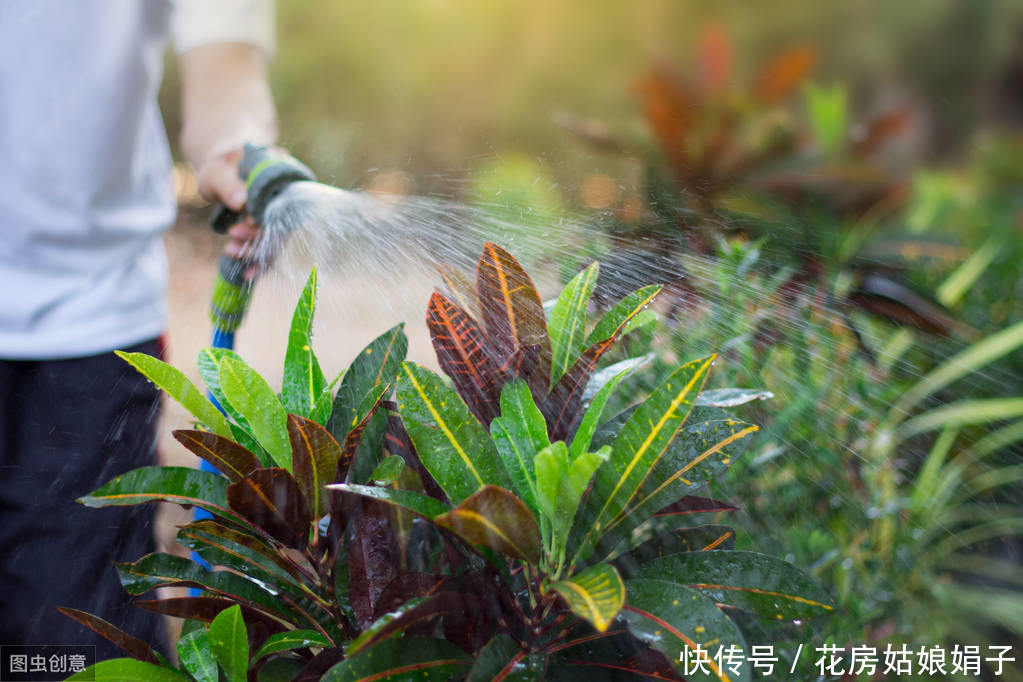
x=495, y=518
x=583, y=437
x=230, y=644
x=709, y=442
x=413, y=612
x=560, y=483
x=512, y=311
x=220, y=545
x=596, y=594
x=421, y=505
x=129, y=644
x=622, y=367
x=665, y=542
x=452, y=445
x=503, y=660
x=128, y=670
x=159, y=569
x=196, y=656
x=252, y=396
x=180, y=485
x=731, y=397
x=205, y=609
x=402, y=660
x=177, y=386
x=372, y=558
x=462, y=354
x=370, y=377
x=303, y=379
x=519, y=433
x=209, y=369
x=271, y=499
x=568, y=321
x=314, y=454
x=461, y=289
x=229, y=458
x=640, y=445
x=291, y=639
x=406, y=586
x=767, y=586
x=562, y=407
x=672, y=618
x=388, y=471
x=691, y=504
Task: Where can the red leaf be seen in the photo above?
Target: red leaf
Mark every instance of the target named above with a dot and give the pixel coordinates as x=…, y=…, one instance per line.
x=461, y=351
x=271, y=499
x=372, y=558
x=784, y=73
x=133, y=645
x=224, y=454
x=511, y=307
x=315, y=455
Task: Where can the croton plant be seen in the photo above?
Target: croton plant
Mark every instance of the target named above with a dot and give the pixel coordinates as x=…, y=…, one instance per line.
x=394, y=525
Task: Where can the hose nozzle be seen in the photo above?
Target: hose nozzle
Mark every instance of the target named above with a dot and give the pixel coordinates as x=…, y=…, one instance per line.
x=266, y=173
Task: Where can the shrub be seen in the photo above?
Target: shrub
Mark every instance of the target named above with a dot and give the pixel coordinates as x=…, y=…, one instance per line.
x=500, y=527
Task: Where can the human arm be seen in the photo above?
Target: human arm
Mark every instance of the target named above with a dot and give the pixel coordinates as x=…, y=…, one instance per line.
x=226, y=101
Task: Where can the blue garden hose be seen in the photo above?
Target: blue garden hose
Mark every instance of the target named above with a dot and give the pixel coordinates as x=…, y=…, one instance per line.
x=266, y=173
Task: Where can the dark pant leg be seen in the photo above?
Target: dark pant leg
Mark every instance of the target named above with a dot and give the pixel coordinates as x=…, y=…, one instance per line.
x=66, y=428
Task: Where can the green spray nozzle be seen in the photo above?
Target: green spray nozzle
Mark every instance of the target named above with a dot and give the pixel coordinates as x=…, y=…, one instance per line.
x=266, y=173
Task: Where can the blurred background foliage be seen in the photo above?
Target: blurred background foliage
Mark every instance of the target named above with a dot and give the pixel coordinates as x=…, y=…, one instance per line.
x=431, y=87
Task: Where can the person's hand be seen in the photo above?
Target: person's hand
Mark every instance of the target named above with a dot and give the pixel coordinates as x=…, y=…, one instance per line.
x=219, y=182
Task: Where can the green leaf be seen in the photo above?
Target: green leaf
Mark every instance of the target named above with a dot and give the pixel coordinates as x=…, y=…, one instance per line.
x=519, y=433
x=659, y=537
x=371, y=375
x=828, y=109
x=731, y=397
x=962, y=413
x=180, y=388
x=196, y=656
x=314, y=454
x=672, y=618
x=220, y=545
x=583, y=437
x=128, y=670
x=453, y=446
x=292, y=639
x=495, y=518
x=567, y=322
x=596, y=594
x=421, y=505
x=560, y=483
x=972, y=359
x=763, y=584
x=303, y=379
x=503, y=659
x=402, y=660
x=230, y=643
x=388, y=471
x=623, y=311
x=159, y=569
x=180, y=485
x=249, y=393
x=709, y=442
x=209, y=369
x=641, y=443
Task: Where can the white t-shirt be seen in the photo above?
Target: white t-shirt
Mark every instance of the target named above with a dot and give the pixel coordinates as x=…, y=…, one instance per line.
x=85, y=190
